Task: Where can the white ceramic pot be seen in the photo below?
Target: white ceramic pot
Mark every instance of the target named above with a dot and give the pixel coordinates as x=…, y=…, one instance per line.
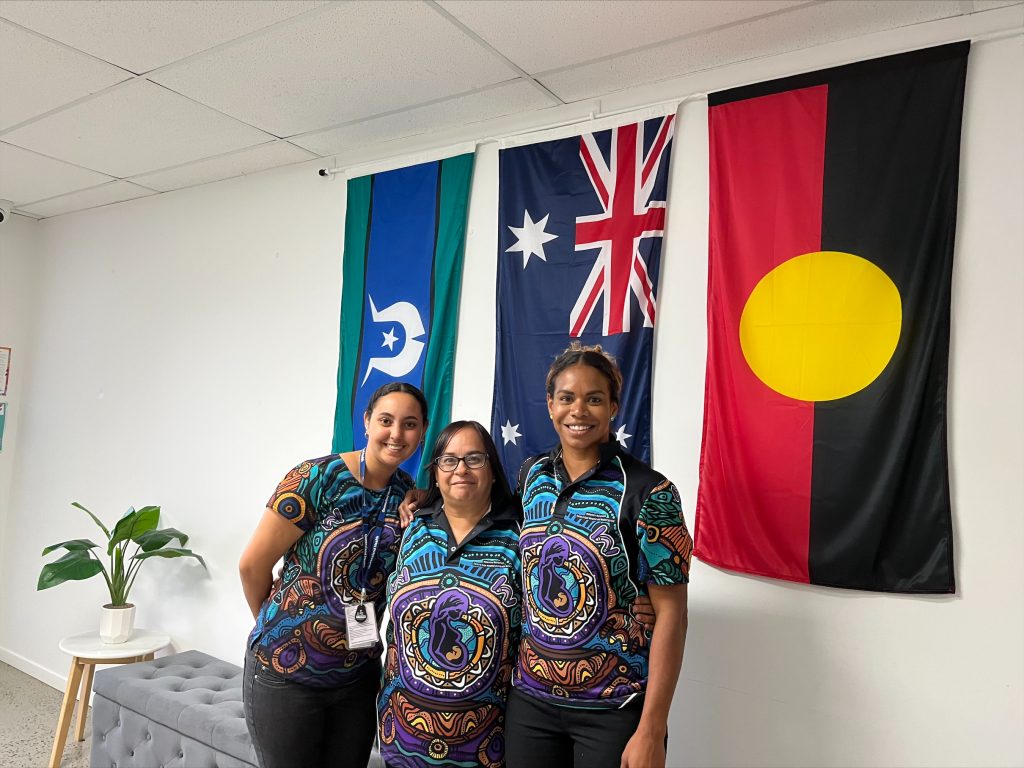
x=116, y=623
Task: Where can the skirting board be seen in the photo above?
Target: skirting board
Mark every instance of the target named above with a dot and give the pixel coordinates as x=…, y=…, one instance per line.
x=42, y=674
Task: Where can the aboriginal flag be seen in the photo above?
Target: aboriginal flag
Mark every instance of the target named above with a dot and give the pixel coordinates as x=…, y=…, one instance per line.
x=833, y=211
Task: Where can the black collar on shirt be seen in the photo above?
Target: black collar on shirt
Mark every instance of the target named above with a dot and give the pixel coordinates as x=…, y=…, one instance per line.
x=506, y=516
x=607, y=453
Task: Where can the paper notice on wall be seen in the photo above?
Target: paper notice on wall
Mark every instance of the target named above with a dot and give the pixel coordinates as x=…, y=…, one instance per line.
x=5, y=368
x=3, y=417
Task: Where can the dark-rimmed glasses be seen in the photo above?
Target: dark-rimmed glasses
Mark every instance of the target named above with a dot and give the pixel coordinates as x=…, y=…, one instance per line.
x=449, y=463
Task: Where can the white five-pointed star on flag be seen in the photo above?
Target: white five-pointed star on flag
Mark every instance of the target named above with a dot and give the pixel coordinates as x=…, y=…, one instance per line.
x=390, y=339
x=531, y=238
x=509, y=433
x=621, y=435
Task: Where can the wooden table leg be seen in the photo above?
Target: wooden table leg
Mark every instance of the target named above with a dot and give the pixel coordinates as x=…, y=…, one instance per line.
x=83, y=700
x=66, y=710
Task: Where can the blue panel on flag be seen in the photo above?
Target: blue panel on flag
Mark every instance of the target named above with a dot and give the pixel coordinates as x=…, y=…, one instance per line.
x=580, y=228
x=400, y=257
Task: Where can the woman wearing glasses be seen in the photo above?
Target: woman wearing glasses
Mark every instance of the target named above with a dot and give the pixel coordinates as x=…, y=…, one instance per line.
x=455, y=613
x=311, y=670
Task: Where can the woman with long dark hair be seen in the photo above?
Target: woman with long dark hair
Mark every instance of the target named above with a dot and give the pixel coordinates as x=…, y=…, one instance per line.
x=312, y=669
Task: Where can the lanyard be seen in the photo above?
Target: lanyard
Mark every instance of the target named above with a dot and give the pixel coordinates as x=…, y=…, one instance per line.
x=370, y=525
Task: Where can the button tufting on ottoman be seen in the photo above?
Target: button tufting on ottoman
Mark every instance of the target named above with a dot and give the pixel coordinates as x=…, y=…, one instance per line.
x=180, y=711
x=176, y=711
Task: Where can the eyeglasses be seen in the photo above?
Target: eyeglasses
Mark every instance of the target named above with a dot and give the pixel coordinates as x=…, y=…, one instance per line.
x=449, y=463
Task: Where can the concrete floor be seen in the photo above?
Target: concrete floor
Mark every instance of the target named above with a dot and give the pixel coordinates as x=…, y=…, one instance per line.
x=28, y=719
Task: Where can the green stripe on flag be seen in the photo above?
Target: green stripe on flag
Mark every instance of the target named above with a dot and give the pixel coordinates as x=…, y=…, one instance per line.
x=357, y=226
x=449, y=249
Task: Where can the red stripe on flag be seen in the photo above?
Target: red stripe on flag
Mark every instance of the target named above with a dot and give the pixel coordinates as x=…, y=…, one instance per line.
x=654, y=158
x=588, y=308
x=767, y=166
x=595, y=176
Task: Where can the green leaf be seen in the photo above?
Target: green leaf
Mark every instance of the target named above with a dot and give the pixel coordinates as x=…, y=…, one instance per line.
x=151, y=540
x=72, y=545
x=171, y=552
x=106, y=531
x=74, y=566
x=145, y=521
x=134, y=523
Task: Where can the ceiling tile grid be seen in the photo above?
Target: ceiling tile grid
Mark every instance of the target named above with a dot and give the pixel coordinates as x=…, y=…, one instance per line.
x=540, y=35
x=133, y=129
x=218, y=85
x=141, y=36
x=115, y=192
x=26, y=176
x=505, y=99
x=39, y=75
x=801, y=28
x=253, y=160
x=354, y=61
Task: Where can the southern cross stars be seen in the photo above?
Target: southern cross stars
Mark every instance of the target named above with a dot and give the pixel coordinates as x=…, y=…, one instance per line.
x=531, y=238
x=509, y=433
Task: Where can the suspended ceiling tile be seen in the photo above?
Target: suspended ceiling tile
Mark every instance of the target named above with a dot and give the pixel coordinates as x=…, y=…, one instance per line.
x=353, y=61
x=115, y=192
x=988, y=5
x=519, y=96
x=540, y=35
x=38, y=75
x=133, y=129
x=797, y=29
x=26, y=176
x=141, y=36
x=241, y=163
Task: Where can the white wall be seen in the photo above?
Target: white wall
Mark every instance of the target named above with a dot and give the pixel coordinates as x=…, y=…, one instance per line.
x=18, y=286
x=184, y=354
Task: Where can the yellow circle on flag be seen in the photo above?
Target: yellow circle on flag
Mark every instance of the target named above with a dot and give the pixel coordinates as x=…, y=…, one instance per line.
x=821, y=326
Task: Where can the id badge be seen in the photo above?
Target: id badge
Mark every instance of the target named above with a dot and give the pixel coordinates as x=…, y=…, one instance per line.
x=361, y=624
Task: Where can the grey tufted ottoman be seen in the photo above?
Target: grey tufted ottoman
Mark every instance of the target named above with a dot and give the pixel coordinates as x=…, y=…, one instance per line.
x=183, y=711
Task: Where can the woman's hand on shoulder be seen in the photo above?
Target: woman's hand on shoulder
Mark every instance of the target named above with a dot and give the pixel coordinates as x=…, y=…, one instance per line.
x=412, y=501
x=644, y=612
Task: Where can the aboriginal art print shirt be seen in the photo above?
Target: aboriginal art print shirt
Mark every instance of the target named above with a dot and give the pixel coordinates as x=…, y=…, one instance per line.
x=452, y=638
x=588, y=548
x=300, y=631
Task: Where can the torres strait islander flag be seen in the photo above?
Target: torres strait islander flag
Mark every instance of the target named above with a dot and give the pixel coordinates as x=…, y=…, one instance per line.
x=833, y=210
x=404, y=240
x=580, y=227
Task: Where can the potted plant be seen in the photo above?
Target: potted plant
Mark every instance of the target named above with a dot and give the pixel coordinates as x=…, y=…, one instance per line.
x=136, y=527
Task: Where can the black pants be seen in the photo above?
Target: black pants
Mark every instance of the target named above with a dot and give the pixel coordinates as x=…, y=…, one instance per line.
x=295, y=725
x=542, y=735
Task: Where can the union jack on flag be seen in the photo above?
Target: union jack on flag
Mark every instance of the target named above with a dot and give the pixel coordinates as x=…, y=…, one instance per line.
x=581, y=223
x=624, y=186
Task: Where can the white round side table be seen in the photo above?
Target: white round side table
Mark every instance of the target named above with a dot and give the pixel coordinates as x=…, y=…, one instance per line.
x=86, y=651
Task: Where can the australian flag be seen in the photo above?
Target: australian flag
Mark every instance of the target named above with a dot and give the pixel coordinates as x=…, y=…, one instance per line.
x=580, y=228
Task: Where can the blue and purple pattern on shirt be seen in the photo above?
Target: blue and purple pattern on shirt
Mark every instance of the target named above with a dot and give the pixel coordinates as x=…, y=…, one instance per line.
x=452, y=640
x=300, y=631
x=588, y=548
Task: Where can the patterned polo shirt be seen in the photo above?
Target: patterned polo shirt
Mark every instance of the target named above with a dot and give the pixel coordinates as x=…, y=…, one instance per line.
x=300, y=630
x=452, y=639
x=588, y=548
